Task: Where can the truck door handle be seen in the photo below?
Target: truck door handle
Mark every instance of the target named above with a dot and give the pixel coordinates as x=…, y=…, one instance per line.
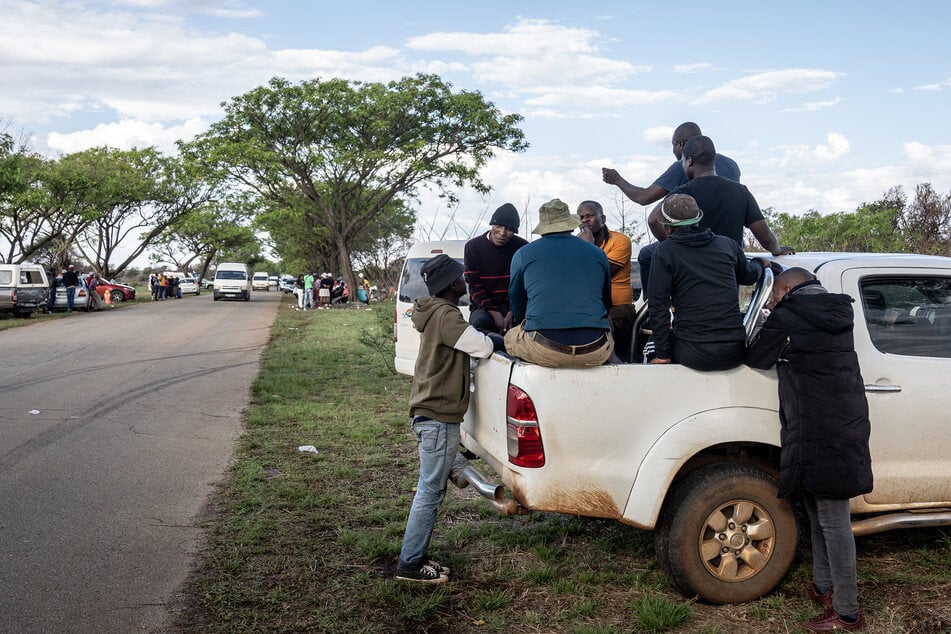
x=883, y=388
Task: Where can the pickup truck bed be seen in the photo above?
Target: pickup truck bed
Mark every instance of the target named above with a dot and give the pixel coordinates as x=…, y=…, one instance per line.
x=694, y=455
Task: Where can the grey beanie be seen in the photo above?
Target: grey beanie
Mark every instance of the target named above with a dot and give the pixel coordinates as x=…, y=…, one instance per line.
x=506, y=216
x=439, y=272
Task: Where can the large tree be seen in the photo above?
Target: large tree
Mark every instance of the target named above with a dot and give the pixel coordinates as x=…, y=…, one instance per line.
x=350, y=148
x=140, y=194
x=197, y=239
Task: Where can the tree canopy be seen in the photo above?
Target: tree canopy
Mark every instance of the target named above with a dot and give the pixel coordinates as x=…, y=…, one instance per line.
x=338, y=153
x=891, y=224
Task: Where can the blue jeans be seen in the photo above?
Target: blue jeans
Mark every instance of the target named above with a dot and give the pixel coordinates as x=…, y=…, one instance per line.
x=644, y=257
x=438, y=443
x=70, y=297
x=833, y=551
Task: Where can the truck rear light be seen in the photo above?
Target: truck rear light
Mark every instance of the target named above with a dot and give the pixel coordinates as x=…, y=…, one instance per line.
x=523, y=436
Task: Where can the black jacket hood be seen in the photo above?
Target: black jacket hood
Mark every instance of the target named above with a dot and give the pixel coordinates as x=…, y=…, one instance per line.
x=828, y=312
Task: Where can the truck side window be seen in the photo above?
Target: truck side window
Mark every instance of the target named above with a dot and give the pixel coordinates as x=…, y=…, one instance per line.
x=908, y=315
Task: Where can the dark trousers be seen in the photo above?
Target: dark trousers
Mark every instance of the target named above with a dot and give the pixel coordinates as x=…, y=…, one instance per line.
x=707, y=356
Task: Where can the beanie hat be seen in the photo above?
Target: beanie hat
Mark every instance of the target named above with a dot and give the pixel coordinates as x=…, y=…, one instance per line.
x=439, y=272
x=506, y=216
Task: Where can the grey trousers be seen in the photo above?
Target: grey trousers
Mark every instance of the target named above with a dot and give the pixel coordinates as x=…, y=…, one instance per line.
x=833, y=551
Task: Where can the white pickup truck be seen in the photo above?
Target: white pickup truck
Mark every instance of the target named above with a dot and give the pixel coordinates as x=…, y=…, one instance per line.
x=694, y=455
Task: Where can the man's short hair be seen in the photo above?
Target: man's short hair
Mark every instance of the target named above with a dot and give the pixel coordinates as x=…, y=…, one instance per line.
x=701, y=149
x=593, y=204
x=796, y=276
x=686, y=130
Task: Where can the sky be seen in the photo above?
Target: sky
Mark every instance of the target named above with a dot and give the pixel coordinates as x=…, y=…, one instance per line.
x=824, y=105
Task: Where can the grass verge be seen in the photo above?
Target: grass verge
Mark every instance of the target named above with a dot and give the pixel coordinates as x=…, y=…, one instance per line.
x=307, y=542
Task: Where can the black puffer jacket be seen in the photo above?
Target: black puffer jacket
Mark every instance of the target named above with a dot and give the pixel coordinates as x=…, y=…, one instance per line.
x=822, y=406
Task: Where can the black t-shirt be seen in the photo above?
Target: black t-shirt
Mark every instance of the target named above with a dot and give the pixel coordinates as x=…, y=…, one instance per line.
x=727, y=206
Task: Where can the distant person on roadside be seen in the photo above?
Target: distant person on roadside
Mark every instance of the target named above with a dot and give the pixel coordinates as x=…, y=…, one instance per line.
x=70, y=281
x=693, y=290
x=324, y=288
x=560, y=293
x=92, y=281
x=438, y=401
x=488, y=259
x=824, y=455
x=675, y=176
x=728, y=207
x=52, y=282
x=617, y=247
x=308, y=294
x=299, y=291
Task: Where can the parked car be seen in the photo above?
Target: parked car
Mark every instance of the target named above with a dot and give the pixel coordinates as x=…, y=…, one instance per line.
x=117, y=291
x=82, y=300
x=189, y=286
x=207, y=284
x=23, y=289
x=273, y=283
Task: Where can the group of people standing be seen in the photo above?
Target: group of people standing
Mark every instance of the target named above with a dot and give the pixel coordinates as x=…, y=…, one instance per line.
x=566, y=300
x=163, y=286
x=320, y=291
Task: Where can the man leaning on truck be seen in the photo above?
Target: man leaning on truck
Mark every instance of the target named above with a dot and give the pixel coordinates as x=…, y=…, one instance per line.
x=560, y=292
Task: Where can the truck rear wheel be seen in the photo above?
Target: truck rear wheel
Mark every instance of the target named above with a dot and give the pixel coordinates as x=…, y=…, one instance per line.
x=724, y=536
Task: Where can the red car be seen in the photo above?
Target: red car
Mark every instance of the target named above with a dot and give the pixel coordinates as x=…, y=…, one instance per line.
x=117, y=292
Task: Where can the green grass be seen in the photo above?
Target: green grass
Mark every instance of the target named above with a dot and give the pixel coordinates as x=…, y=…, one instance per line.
x=301, y=542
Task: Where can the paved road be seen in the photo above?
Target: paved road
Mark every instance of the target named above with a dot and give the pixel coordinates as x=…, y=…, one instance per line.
x=114, y=428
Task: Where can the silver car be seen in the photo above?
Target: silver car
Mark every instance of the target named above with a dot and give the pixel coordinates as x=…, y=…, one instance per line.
x=82, y=300
x=189, y=286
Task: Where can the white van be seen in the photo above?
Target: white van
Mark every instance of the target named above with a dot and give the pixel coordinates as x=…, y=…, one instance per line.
x=260, y=281
x=412, y=287
x=232, y=280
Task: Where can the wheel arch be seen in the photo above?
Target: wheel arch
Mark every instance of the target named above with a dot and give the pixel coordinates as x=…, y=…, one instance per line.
x=736, y=434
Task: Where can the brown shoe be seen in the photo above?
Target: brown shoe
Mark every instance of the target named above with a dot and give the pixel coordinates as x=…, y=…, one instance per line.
x=831, y=621
x=825, y=600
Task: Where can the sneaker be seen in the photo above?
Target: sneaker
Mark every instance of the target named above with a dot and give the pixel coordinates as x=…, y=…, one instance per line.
x=441, y=569
x=426, y=574
x=825, y=600
x=832, y=621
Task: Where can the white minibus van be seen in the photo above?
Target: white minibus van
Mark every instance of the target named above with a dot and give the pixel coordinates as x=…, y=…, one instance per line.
x=412, y=287
x=232, y=281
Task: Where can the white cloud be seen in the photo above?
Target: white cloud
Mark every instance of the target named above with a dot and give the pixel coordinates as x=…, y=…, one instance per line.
x=835, y=148
x=693, y=68
x=533, y=53
x=127, y=134
x=765, y=87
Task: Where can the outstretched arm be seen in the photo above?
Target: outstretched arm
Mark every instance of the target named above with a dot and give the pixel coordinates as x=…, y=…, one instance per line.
x=767, y=239
x=640, y=195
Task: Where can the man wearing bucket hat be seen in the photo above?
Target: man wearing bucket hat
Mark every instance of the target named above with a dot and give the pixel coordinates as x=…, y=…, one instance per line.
x=437, y=403
x=692, y=291
x=560, y=292
x=488, y=259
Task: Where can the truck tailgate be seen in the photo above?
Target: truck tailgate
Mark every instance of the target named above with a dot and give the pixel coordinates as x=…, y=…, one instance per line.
x=484, y=428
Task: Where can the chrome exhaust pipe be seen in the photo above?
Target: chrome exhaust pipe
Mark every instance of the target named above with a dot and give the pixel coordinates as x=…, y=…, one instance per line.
x=909, y=519
x=463, y=474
